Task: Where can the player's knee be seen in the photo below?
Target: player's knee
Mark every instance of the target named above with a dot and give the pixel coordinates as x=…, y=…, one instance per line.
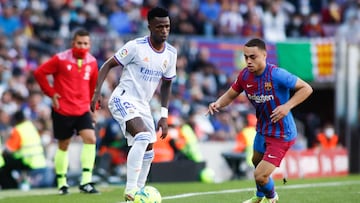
x=89, y=139
x=260, y=178
x=143, y=137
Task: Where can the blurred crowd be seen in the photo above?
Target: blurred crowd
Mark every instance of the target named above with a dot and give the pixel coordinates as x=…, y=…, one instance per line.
x=32, y=30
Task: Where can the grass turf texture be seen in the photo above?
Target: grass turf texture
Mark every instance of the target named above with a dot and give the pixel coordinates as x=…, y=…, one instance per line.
x=339, y=189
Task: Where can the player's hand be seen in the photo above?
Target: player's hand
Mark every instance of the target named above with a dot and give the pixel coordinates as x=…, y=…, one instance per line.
x=95, y=101
x=279, y=112
x=164, y=127
x=213, y=107
x=55, y=101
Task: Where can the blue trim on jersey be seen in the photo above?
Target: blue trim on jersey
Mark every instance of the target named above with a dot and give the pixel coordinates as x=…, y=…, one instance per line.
x=141, y=40
x=171, y=48
x=119, y=106
x=118, y=61
x=168, y=78
x=156, y=51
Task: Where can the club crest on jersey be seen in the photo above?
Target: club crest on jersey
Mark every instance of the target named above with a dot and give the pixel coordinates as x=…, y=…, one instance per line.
x=123, y=53
x=165, y=63
x=268, y=86
x=69, y=66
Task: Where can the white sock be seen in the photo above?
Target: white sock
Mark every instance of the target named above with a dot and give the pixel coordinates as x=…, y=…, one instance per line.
x=135, y=159
x=148, y=158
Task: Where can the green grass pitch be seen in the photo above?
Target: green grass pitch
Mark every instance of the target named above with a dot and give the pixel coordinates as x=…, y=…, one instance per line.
x=327, y=190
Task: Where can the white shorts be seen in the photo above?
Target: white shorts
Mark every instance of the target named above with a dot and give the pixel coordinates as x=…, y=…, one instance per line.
x=124, y=108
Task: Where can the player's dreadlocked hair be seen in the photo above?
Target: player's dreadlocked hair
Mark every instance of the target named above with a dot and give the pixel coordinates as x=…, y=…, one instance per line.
x=157, y=12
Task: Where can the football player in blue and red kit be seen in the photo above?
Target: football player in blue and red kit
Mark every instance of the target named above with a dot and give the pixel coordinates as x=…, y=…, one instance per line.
x=74, y=72
x=268, y=89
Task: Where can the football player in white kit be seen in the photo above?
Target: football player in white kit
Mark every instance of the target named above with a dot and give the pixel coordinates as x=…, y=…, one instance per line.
x=146, y=62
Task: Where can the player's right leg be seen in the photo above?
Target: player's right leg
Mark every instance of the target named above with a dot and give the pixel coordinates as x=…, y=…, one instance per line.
x=62, y=132
x=61, y=161
x=134, y=164
x=128, y=113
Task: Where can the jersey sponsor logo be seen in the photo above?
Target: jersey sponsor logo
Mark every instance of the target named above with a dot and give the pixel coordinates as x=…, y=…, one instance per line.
x=150, y=75
x=123, y=53
x=268, y=86
x=260, y=98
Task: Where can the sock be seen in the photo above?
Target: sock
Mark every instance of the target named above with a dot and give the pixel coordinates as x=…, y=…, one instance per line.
x=146, y=164
x=259, y=193
x=269, y=188
x=135, y=159
x=87, y=162
x=61, y=160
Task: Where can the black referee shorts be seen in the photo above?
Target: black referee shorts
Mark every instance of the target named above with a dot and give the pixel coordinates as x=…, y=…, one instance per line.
x=66, y=126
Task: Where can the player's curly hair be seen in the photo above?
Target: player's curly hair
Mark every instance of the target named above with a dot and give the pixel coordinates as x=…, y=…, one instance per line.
x=157, y=12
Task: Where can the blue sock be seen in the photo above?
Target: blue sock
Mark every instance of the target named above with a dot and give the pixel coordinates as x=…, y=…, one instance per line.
x=259, y=193
x=268, y=189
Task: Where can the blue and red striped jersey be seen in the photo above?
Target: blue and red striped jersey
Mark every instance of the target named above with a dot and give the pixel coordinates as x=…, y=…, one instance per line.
x=266, y=92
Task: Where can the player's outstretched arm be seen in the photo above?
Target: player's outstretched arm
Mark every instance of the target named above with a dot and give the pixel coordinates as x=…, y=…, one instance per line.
x=104, y=70
x=223, y=101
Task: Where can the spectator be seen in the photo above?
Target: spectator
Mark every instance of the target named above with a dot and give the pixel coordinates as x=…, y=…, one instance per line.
x=209, y=12
x=274, y=21
x=327, y=138
x=24, y=151
x=223, y=127
x=183, y=22
x=245, y=138
x=165, y=149
x=313, y=27
x=9, y=20
x=252, y=26
x=332, y=14
x=123, y=26
x=295, y=26
x=350, y=30
x=251, y=7
x=230, y=19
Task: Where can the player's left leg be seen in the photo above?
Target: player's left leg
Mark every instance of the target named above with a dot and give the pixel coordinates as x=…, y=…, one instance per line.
x=88, y=153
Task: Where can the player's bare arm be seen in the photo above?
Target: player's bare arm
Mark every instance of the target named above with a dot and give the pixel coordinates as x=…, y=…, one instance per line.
x=302, y=91
x=165, y=90
x=104, y=70
x=223, y=101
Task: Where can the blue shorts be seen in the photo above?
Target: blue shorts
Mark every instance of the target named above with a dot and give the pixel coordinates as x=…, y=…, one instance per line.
x=273, y=148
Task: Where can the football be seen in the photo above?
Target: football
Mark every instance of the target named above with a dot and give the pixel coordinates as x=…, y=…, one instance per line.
x=147, y=194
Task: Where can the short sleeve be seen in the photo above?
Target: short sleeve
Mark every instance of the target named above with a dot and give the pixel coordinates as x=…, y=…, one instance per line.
x=126, y=53
x=284, y=78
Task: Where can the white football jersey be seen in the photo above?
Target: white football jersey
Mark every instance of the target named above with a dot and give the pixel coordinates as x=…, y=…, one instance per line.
x=144, y=67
